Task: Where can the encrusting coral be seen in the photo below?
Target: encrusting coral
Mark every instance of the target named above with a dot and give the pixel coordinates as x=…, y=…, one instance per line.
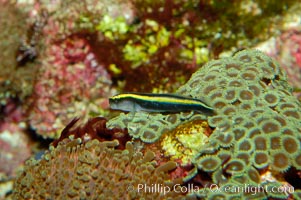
x=101, y=47
x=257, y=118
x=252, y=140
x=149, y=127
x=80, y=166
x=253, y=101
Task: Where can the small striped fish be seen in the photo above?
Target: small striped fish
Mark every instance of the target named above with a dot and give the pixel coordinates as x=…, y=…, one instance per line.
x=133, y=102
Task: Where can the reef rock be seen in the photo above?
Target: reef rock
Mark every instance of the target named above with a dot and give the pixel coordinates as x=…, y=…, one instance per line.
x=252, y=142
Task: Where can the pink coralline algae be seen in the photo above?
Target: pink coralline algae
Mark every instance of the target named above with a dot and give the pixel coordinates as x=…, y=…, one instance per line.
x=290, y=55
x=72, y=79
x=286, y=49
x=14, y=143
x=14, y=149
x=70, y=83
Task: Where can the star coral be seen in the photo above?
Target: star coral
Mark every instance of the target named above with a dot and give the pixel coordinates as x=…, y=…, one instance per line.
x=173, y=37
x=254, y=132
x=148, y=127
x=255, y=105
x=127, y=43
x=255, y=128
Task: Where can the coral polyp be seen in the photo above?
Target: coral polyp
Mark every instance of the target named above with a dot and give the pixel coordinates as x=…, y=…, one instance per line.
x=87, y=168
x=75, y=167
x=265, y=118
x=251, y=139
x=61, y=60
x=208, y=163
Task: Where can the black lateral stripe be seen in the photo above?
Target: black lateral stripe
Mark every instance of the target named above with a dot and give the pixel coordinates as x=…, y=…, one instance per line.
x=164, y=102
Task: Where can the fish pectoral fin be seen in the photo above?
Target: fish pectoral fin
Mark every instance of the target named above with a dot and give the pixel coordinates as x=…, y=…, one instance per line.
x=132, y=115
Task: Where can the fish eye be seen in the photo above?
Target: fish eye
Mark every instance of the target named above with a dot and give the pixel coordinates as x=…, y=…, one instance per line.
x=112, y=100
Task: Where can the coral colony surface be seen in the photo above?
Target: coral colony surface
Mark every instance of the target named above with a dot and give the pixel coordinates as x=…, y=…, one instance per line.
x=250, y=145
x=61, y=60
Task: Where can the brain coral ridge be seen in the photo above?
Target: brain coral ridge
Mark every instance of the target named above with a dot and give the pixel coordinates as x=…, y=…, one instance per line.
x=257, y=118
